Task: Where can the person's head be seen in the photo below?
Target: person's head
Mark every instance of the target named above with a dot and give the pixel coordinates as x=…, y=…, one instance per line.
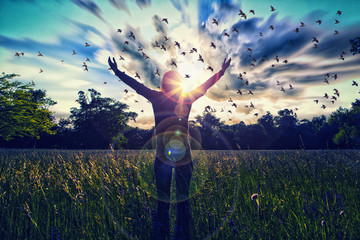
x=172, y=84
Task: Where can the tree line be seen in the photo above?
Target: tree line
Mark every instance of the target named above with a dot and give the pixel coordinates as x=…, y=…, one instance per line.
x=101, y=122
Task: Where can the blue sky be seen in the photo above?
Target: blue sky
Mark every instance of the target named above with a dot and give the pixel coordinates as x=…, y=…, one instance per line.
x=56, y=28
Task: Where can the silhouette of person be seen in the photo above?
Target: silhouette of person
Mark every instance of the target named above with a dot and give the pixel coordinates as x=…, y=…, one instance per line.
x=171, y=108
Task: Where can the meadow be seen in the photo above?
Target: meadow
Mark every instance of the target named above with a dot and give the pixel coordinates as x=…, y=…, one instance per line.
x=58, y=194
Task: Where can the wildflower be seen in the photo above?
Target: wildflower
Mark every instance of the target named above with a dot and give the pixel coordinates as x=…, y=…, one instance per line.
x=341, y=213
x=254, y=196
x=322, y=222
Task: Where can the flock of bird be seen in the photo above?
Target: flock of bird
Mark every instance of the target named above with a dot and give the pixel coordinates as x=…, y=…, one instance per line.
x=162, y=45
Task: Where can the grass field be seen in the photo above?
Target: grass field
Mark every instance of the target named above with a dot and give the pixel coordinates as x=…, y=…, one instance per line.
x=53, y=194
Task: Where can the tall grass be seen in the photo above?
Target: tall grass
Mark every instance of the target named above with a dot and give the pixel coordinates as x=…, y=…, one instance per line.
x=48, y=194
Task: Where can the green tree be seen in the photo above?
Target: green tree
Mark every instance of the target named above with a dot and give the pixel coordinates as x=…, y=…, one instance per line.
x=24, y=111
x=210, y=127
x=348, y=123
x=99, y=121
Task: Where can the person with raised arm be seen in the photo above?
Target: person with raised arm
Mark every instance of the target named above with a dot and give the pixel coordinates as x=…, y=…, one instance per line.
x=171, y=108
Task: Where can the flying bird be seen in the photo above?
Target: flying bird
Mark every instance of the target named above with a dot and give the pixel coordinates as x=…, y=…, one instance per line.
x=226, y=34
x=173, y=63
x=239, y=92
x=338, y=12
x=250, y=92
x=163, y=47
x=252, y=105
x=252, y=11
x=277, y=58
x=74, y=52
x=87, y=59
x=87, y=45
x=41, y=70
x=235, y=30
x=302, y=24
x=234, y=104
x=145, y=55
x=165, y=20
x=126, y=91
x=291, y=87
x=272, y=8
x=157, y=72
x=210, y=68
x=137, y=75
x=315, y=40
x=213, y=45
x=316, y=101
x=166, y=38
x=17, y=54
x=119, y=30
x=40, y=54
x=177, y=44
x=187, y=76
x=355, y=84
x=242, y=14
x=200, y=58
x=215, y=21
x=126, y=42
x=337, y=21
x=271, y=27
x=132, y=35
x=318, y=21
x=121, y=58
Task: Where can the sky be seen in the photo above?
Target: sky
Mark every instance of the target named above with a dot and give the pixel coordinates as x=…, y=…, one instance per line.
x=269, y=60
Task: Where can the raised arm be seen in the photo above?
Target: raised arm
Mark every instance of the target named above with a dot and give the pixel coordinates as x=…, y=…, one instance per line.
x=201, y=90
x=131, y=82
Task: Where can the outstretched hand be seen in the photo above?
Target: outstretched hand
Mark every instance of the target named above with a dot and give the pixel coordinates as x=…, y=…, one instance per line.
x=113, y=64
x=225, y=65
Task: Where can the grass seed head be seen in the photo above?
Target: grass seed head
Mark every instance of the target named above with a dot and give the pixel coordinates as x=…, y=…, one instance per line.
x=254, y=196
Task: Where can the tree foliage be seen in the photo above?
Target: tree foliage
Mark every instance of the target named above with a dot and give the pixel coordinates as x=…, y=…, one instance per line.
x=99, y=121
x=24, y=111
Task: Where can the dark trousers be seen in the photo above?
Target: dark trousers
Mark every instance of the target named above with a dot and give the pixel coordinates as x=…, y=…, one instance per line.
x=163, y=175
